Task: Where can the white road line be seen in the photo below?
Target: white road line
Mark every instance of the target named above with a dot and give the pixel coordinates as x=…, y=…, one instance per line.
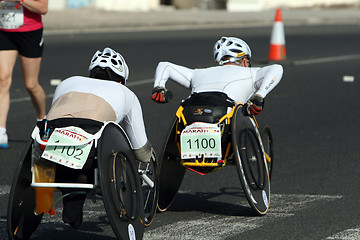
x=347, y=78
x=349, y=234
x=284, y=205
x=55, y=82
x=24, y=99
x=4, y=189
x=145, y=81
x=326, y=59
x=296, y=63
x=130, y=84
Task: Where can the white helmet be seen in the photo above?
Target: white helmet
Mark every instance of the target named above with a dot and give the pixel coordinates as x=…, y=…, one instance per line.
x=231, y=46
x=111, y=59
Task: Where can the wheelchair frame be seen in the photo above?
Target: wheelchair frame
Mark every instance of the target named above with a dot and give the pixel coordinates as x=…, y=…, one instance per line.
x=172, y=162
x=196, y=163
x=126, y=219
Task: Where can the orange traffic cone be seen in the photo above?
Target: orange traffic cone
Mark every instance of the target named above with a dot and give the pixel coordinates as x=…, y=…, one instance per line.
x=277, y=50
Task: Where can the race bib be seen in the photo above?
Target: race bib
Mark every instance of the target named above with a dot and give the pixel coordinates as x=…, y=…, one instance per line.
x=10, y=16
x=68, y=150
x=201, y=140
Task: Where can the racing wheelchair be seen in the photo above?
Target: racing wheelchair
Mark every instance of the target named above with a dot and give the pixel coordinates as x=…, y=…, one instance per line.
x=82, y=156
x=210, y=132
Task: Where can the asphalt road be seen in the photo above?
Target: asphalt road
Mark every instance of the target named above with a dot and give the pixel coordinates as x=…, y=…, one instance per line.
x=313, y=112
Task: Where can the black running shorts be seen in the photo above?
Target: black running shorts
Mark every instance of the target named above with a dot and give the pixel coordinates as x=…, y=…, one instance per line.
x=28, y=44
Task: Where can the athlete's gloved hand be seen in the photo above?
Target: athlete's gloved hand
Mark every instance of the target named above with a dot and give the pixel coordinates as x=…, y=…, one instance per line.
x=161, y=95
x=254, y=105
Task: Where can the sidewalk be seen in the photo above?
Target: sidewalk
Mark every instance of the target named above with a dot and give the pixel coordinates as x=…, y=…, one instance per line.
x=90, y=20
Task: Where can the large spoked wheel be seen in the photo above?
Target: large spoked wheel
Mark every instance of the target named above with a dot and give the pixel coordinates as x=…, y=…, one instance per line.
x=150, y=186
x=21, y=220
x=171, y=172
x=268, y=143
x=250, y=162
x=120, y=184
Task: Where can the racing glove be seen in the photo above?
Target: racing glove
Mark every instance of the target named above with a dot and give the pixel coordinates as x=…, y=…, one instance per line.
x=254, y=105
x=161, y=95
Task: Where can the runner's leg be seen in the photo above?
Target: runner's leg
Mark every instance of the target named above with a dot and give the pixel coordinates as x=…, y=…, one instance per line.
x=31, y=69
x=7, y=63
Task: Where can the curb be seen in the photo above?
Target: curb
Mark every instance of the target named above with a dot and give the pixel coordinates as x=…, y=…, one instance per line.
x=91, y=21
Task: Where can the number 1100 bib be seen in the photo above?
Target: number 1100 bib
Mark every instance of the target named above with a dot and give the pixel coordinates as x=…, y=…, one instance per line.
x=201, y=140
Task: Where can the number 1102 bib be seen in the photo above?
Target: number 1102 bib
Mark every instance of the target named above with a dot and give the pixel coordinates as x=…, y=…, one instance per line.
x=67, y=148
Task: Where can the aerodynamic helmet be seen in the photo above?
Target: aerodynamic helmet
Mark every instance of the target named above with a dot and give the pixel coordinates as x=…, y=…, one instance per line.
x=111, y=59
x=231, y=46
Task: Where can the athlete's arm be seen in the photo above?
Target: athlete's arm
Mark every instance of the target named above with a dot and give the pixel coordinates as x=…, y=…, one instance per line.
x=134, y=127
x=267, y=78
x=179, y=74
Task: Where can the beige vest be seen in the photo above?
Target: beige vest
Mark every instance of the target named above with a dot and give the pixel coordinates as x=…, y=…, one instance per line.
x=81, y=105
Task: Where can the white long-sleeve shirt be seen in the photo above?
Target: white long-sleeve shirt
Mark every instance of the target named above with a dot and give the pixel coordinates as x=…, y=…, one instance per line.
x=239, y=83
x=124, y=103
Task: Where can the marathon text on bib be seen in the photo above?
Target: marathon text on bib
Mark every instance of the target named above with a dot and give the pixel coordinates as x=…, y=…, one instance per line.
x=201, y=140
x=72, y=153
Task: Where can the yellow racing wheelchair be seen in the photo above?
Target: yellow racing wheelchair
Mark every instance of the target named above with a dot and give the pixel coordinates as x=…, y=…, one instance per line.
x=210, y=132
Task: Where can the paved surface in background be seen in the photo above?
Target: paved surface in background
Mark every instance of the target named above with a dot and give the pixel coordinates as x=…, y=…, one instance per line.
x=88, y=20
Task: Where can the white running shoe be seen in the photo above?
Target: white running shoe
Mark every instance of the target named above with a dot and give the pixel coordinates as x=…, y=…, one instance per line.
x=4, y=141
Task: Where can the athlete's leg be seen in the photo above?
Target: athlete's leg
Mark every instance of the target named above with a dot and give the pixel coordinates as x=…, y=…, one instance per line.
x=73, y=207
x=31, y=69
x=7, y=63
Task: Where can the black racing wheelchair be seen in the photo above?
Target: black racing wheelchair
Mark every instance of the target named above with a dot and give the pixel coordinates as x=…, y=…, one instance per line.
x=82, y=157
x=210, y=132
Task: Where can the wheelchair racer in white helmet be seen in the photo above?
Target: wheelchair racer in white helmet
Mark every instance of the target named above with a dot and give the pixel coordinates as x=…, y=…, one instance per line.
x=233, y=47
x=101, y=97
x=111, y=60
x=105, y=100
x=234, y=76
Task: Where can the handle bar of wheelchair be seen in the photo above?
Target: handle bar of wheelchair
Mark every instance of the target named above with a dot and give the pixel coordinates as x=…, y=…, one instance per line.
x=143, y=176
x=63, y=185
x=36, y=136
x=68, y=185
